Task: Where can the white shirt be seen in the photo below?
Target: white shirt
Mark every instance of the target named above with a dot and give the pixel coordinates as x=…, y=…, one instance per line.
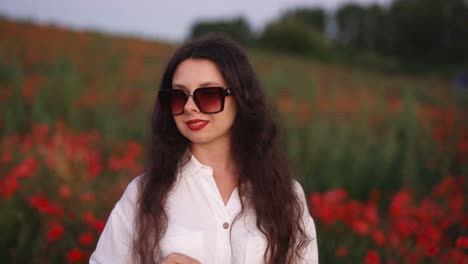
x=199, y=224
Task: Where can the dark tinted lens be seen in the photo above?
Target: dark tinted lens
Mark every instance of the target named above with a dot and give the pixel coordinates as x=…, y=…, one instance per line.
x=178, y=100
x=209, y=99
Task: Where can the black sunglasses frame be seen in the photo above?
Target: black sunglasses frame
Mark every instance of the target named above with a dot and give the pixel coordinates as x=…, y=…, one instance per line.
x=222, y=95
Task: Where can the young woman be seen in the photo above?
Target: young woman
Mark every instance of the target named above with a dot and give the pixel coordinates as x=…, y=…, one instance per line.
x=217, y=187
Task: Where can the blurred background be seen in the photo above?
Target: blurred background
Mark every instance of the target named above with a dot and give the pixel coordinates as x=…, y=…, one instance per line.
x=372, y=95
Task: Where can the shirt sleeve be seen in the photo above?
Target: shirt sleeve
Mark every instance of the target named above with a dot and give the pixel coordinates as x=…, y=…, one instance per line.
x=311, y=252
x=114, y=245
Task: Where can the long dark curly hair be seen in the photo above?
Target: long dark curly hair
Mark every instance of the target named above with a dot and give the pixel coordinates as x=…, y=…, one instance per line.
x=265, y=178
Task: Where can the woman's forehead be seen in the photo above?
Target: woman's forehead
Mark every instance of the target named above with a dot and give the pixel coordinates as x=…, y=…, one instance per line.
x=196, y=73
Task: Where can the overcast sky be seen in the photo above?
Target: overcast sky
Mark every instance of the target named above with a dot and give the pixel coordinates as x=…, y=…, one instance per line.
x=166, y=20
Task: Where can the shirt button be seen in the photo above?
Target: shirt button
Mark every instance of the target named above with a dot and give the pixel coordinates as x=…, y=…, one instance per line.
x=225, y=225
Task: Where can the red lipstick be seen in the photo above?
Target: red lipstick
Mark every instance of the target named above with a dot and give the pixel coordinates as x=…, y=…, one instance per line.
x=196, y=124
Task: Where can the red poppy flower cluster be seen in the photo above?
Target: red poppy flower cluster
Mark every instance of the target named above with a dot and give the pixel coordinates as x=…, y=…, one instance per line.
x=430, y=229
x=66, y=182
x=65, y=205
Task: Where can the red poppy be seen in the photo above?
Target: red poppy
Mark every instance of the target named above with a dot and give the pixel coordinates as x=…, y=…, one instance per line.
x=400, y=203
x=378, y=237
x=55, y=232
x=432, y=250
x=88, y=218
x=65, y=191
x=10, y=187
x=86, y=238
x=372, y=257
x=53, y=210
x=27, y=168
x=6, y=157
x=370, y=212
x=341, y=251
x=39, y=202
x=75, y=255
x=99, y=225
x=360, y=227
x=87, y=197
x=462, y=242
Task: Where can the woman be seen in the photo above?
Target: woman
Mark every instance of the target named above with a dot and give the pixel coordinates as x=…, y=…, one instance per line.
x=217, y=187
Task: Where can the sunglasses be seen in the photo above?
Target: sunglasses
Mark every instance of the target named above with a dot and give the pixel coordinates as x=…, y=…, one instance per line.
x=209, y=100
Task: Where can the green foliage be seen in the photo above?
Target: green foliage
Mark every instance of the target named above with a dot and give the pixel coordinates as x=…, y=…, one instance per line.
x=406, y=36
x=355, y=26
x=431, y=30
x=354, y=157
x=15, y=112
x=418, y=32
x=313, y=17
x=236, y=28
x=293, y=36
x=369, y=60
x=14, y=244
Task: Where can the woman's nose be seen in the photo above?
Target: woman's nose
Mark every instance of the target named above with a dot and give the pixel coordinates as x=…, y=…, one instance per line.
x=190, y=105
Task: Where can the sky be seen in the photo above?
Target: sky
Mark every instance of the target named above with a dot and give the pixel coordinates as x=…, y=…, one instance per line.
x=154, y=19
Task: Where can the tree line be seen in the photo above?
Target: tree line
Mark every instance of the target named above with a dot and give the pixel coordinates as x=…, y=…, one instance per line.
x=406, y=32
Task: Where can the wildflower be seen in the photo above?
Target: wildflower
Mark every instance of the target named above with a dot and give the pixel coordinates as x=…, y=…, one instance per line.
x=462, y=242
x=360, y=227
x=10, y=187
x=341, y=251
x=372, y=257
x=65, y=191
x=7, y=157
x=87, y=197
x=400, y=203
x=99, y=225
x=55, y=232
x=39, y=202
x=75, y=255
x=378, y=237
x=88, y=218
x=86, y=238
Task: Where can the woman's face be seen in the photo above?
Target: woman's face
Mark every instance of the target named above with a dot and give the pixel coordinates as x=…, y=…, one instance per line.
x=198, y=127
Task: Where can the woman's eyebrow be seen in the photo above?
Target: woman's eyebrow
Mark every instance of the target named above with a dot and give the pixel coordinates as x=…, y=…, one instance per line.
x=175, y=85
x=210, y=83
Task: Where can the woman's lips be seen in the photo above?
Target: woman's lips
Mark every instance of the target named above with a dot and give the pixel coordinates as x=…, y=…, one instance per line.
x=196, y=124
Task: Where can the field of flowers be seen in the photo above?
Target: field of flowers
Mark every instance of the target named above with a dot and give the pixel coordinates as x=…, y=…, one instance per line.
x=383, y=158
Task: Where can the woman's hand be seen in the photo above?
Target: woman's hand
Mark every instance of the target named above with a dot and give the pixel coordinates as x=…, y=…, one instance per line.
x=176, y=258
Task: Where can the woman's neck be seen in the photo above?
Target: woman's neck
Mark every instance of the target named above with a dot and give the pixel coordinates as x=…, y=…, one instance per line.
x=218, y=157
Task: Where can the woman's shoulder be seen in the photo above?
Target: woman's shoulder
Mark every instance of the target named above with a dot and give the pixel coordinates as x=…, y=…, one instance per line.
x=130, y=194
x=298, y=189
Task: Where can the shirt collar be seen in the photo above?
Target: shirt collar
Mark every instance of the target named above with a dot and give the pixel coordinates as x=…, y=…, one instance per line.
x=193, y=166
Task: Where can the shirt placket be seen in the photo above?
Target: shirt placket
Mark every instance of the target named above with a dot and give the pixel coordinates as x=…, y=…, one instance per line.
x=222, y=246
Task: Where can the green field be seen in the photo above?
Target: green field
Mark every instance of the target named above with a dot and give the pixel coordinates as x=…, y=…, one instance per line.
x=75, y=114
